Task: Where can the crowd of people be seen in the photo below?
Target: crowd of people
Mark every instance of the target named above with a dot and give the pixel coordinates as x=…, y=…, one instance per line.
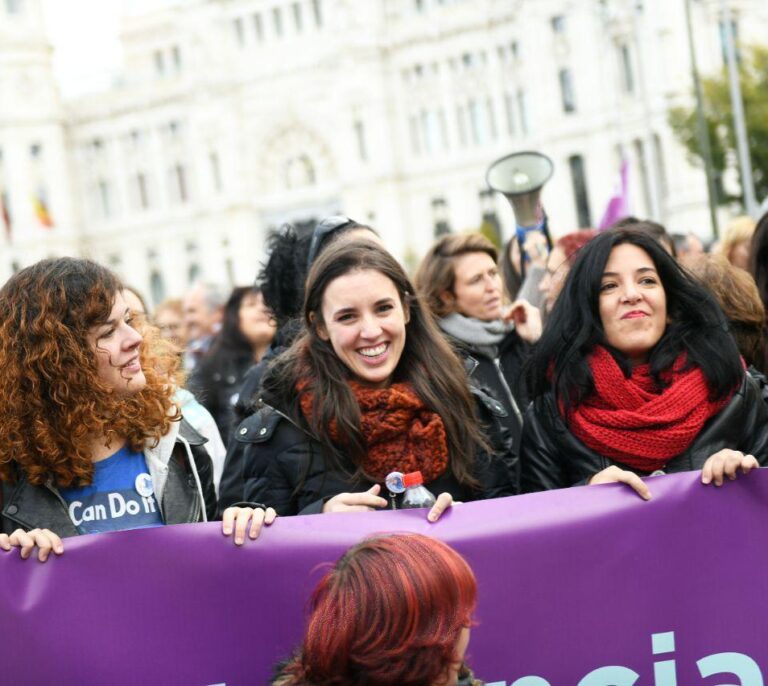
x=304, y=394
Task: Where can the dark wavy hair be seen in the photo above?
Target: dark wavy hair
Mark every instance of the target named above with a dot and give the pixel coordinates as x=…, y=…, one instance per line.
x=313, y=361
x=391, y=611
x=52, y=400
x=230, y=341
x=696, y=326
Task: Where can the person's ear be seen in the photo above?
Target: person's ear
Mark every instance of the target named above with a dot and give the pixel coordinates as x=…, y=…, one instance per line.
x=322, y=332
x=448, y=299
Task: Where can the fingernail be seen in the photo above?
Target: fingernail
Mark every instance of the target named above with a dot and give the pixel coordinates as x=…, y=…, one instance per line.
x=239, y=540
x=431, y=517
x=227, y=531
x=59, y=549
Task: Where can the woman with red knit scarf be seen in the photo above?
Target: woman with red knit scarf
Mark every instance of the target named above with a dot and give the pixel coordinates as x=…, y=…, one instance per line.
x=370, y=387
x=636, y=374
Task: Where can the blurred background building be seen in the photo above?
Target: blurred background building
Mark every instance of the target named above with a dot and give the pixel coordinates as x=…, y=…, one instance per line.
x=231, y=117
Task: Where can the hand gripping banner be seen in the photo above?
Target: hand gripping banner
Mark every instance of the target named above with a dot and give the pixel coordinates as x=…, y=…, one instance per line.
x=580, y=587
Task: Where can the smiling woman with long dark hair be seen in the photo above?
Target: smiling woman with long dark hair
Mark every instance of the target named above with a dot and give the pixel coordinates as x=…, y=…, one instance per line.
x=637, y=373
x=370, y=387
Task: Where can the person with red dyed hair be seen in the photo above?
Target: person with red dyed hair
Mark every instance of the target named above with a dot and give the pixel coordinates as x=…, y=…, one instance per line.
x=394, y=610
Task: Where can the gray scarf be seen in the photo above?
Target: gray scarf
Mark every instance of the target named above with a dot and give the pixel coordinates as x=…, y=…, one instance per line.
x=485, y=336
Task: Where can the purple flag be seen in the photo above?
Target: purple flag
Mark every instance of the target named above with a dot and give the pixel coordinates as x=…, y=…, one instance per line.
x=618, y=205
x=581, y=587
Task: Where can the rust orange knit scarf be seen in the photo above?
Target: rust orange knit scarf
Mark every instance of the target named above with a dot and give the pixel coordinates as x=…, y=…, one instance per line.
x=635, y=423
x=401, y=433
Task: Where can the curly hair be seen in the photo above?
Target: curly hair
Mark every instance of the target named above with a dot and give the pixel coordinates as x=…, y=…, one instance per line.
x=52, y=401
x=389, y=612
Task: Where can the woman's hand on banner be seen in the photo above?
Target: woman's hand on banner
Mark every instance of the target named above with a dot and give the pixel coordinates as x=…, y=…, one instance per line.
x=614, y=474
x=44, y=539
x=727, y=463
x=443, y=502
x=236, y=520
x=356, y=502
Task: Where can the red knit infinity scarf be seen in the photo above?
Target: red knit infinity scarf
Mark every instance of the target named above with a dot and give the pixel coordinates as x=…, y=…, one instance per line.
x=401, y=433
x=633, y=422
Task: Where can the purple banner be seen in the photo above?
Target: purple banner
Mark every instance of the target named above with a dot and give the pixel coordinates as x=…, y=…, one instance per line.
x=579, y=587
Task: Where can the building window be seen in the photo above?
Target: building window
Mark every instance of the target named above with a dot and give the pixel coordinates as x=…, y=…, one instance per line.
x=299, y=172
x=580, y=194
x=413, y=126
x=627, y=73
x=297, y=18
x=522, y=106
x=159, y=61
x=317, y=12
x=491, y=118
x=429, y=131
x=566, y=90
x=193, y=273
x=362, y=152
x=443, y=120
x=105, y=199
x=558, y=24
x=645, y=182
x=661, y=170
x=509, y=111
x=258, y=27
x=176, y=57
x=14, y=6
x=141, y=192
x=180, y=182
x=461, y=125
x=36, y=151
x=478, y=122
x=440, y=217
x=418, y=5
x=237, y=25
x=156, y=287
x=216, y=183
x=277, y=20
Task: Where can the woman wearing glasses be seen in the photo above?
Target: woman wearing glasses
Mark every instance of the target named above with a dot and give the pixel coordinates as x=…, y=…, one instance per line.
x=358, y=396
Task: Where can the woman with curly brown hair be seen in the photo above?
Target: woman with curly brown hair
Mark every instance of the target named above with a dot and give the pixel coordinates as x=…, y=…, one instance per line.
x=91, y=439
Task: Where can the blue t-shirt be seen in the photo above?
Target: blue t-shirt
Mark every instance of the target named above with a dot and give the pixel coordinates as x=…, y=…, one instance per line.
x=120, y=497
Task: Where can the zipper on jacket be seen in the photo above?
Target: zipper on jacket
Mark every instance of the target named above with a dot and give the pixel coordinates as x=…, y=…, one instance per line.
x=511, y=397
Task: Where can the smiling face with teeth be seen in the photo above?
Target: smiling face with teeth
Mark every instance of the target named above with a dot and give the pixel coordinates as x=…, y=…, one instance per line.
x=116, y=344
x=364, y=320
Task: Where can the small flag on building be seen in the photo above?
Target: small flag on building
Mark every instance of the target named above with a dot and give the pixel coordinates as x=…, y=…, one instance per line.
x=41, y=210
x=618, y=205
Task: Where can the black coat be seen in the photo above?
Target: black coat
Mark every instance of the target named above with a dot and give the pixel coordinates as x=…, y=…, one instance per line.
x=274, y=461
x=501, y=377
x=552, y=457
x=216, y=384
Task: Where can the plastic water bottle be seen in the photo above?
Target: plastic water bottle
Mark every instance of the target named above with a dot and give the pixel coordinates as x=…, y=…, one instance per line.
x=416, y=494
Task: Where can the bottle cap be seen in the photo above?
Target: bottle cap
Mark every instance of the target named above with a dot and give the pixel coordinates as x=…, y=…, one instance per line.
x=413, y=479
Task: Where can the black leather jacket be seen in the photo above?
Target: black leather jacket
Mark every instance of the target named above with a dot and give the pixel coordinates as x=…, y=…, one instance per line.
x=552, y=457
x=41, y=507
x=253, y=445
x=280, y=465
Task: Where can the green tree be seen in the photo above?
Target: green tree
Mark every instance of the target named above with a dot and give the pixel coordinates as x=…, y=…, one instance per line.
x=718, y=115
